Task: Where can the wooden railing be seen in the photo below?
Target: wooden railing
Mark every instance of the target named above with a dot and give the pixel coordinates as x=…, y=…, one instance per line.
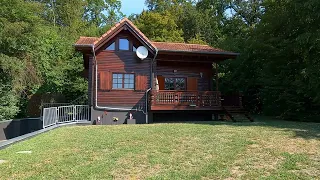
x=186, y=98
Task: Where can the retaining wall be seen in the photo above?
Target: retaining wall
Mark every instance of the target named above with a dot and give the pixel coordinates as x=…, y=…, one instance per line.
x=14, y=128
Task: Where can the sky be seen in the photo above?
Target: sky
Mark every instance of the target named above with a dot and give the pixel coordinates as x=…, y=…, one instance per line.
x=132, y=6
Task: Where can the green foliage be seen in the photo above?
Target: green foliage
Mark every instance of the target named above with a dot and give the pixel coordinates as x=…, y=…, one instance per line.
x=11, y=80
x=291, y=68
x=102, y=12
x=9, y=102
x=197, y=40
x=159, y=26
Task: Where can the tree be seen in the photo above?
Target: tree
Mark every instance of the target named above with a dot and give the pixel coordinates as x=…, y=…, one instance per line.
x=102, y=12
x=289, y=31
x=159, y=27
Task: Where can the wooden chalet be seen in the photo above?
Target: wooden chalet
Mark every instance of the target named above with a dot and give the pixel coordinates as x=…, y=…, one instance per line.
x=175, y=81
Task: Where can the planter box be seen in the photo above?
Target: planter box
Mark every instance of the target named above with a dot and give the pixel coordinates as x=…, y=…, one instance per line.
x=131, y=121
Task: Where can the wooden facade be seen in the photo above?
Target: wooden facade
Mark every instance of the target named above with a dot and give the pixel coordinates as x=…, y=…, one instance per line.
x=176, y=79
x=122, y=62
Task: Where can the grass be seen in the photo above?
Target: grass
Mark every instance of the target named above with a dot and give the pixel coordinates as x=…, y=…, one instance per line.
x=266, y=149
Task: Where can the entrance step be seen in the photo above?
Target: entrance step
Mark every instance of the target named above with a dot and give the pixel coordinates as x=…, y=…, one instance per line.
x=237, y=114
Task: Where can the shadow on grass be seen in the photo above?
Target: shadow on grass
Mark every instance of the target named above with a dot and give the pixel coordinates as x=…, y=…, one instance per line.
x=306, y=130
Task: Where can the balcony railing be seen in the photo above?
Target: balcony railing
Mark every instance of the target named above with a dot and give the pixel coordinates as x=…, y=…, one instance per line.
x=186, y=98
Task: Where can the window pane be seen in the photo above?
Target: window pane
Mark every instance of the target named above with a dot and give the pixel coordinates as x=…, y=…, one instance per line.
x=112, y=47
x=123, y=44
x=126, y=86
x=180, y=84
x=123, y=81
x=169, y=84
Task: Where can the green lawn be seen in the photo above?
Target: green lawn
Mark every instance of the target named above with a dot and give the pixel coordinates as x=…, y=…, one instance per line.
x=265, y=149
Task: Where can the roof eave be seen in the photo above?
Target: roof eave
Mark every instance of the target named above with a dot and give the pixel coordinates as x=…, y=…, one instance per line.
x=201, y=52
x=83, y=45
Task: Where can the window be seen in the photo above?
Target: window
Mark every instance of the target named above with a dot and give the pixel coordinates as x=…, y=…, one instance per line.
x=122, y=81
x=134, y=49
x=112, y=47
x=175, y=84
x=124, y=44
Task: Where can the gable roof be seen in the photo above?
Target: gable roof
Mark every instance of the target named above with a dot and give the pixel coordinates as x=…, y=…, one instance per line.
x=96, y=42
x=160, y=46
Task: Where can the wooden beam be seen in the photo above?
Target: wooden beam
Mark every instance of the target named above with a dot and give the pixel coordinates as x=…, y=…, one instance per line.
x=183, y=60
x=217, y=78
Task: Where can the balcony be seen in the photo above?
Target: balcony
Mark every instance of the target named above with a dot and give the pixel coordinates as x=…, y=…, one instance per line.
x=185, y=100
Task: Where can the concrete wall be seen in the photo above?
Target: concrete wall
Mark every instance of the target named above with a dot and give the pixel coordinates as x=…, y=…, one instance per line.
x=106, y=117
x=14, y=128
x=170, y=116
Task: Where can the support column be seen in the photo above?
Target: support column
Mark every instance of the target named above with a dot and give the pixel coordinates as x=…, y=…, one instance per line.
x=217, y=77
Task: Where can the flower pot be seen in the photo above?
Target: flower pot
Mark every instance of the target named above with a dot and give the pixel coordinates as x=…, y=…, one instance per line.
x=131, y=121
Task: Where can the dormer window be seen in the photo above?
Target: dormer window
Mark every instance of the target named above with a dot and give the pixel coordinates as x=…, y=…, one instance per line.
x=112, y=47
x=124, y=44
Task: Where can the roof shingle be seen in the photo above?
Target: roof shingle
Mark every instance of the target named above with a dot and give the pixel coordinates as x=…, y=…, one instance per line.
x=166, y=46
x=86, y=40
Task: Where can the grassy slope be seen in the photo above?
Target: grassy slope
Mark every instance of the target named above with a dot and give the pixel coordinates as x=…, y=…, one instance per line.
x=264, y=149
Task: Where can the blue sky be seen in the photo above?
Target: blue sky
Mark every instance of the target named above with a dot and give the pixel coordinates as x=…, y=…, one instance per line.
x=132, y=6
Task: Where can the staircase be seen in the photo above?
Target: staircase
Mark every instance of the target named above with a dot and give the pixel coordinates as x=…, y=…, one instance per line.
x=237, y=114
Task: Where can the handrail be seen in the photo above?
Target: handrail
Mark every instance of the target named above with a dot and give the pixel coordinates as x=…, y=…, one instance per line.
x=185, y=91
x=187, y=98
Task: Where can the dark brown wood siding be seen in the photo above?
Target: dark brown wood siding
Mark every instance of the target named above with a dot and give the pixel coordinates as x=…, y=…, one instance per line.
x=91, y=81
x=187, y=70
x=122, y=62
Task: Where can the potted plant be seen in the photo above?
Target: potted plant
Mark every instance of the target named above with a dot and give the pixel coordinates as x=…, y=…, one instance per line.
x=115, y=120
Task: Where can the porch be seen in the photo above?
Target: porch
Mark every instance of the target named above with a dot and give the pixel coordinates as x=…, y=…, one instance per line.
x=167, y=100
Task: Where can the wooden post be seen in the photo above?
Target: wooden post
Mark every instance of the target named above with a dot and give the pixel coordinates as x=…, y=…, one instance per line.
x=217, y=78
x=152, y=102
x=240, y=99
x=216, y=116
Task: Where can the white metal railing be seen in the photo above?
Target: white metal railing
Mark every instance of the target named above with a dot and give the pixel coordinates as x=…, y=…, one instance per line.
x=82, y=113
x=65, y=114
x=49, y=116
